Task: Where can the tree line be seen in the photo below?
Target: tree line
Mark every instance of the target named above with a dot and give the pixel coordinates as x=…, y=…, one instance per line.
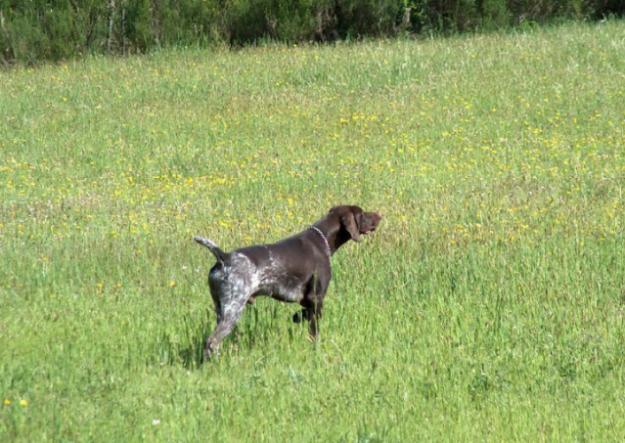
x=36, y=30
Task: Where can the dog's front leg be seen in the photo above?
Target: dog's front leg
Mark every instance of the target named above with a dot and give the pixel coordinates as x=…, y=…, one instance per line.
x=313, y=315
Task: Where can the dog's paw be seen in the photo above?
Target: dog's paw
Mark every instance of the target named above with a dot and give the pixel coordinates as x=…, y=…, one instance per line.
x=210, y=353
x=300, y=316
x=297, y=317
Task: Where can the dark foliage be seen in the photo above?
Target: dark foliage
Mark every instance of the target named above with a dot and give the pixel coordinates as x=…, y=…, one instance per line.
x=34, y=30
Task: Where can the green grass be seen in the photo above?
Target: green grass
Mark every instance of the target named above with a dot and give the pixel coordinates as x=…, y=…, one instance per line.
x=489, y=305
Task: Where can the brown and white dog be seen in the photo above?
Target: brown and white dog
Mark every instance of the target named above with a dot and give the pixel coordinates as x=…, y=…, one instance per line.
x=295, y=270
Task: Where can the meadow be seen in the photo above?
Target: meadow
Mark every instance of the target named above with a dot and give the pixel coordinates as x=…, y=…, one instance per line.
x=488, y=306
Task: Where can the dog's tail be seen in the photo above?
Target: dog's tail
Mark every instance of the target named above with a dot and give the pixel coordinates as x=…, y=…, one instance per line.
x=217, y=252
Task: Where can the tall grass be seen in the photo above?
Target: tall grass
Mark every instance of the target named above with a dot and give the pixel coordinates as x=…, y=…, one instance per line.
x=488, y=306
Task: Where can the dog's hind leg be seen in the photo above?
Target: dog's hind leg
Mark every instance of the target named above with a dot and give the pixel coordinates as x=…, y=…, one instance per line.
x=230, y=314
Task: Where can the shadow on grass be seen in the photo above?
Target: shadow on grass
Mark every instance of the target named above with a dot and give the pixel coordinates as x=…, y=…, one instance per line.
x=186, y=346
x=258, y=327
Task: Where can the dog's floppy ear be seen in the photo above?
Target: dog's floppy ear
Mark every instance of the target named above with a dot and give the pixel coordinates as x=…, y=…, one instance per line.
x=349, y=222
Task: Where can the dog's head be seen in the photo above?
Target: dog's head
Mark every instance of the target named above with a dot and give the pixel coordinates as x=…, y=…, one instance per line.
x=355, y=221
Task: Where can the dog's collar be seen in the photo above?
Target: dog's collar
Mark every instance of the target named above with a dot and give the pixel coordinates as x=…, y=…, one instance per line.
x=325, y=240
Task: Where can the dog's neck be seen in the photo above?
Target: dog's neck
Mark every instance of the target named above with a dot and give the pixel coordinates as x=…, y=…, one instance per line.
x=333, y=233
x=325, y=240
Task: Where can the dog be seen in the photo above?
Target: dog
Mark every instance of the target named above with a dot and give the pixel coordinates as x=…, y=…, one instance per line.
x=294, y=270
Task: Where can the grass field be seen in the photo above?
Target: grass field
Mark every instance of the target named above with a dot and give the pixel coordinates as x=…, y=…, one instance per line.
x=489, y=305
